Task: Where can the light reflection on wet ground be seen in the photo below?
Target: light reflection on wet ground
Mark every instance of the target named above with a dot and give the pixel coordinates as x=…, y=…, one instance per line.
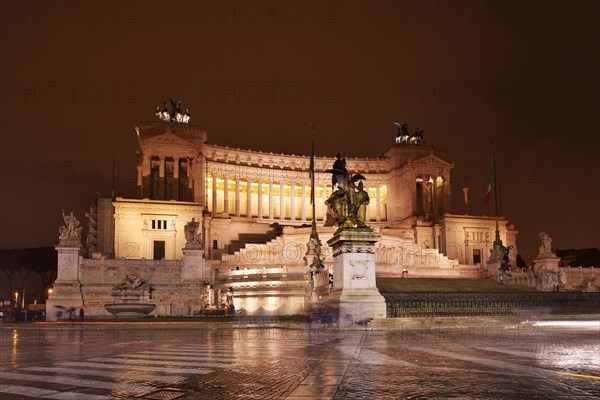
x=220, y=362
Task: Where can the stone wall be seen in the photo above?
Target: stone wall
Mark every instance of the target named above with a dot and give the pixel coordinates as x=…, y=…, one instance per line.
x=575, y=279
x=576, y=276
x=97, y=279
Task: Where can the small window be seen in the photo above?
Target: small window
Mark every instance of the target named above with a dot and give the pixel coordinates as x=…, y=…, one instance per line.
x=215, y=245
x=159, y=224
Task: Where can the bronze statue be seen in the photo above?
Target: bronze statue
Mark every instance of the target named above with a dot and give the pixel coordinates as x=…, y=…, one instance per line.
x=361, y=201
x=348, y=200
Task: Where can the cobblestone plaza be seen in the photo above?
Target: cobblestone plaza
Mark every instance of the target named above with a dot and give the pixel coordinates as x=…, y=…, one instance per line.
x=472, y=358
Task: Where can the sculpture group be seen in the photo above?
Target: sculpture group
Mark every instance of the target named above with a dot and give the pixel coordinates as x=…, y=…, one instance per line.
x=546, y=245
x=192, y=238
x=70, y=232
x=404, y=137
x=349, y=200
x=175, y=115
x=132, y=282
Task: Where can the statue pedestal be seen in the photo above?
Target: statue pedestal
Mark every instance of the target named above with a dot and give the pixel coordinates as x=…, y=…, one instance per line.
x=493, y=271
x=546, y=268
x=546, y=262
x=68, y=263
x=494, y=263
x=193, y=265
x=354, y=296
x=67, y=287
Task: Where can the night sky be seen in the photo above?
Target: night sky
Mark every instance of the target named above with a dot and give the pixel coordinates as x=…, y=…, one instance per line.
x=76, y=78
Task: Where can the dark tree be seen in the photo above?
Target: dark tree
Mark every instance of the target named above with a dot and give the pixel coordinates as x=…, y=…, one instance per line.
x=24, y=262
x=520, y=262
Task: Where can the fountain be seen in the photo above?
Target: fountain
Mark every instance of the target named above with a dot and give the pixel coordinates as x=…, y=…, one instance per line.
x=129, y=292
x=130, y=310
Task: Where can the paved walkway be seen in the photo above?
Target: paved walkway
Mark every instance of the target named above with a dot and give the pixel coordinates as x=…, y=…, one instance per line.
x=124, y=362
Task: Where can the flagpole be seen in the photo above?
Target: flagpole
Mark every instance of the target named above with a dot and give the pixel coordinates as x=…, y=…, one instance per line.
x=113, y=176
x=497, y=239
x=312, y=182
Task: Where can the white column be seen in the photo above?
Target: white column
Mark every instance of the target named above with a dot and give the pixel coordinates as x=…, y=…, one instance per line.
x=175, y=167
x=225, y=195
x=303, y=204
x=292, y=201
x=190, y=174
x=175, y=193
x=323, y=204
x=237, y=196
x=260, y=199
x=367, y=208
x=378, y=204
x=161, y=166
x=248, y=198
x=173, y=255
x=281, y=201
x=433, y=199
x=139, y=176
x=214, y=193
x=270, y=200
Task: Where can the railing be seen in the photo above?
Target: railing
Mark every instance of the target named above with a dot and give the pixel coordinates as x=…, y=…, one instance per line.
x=128, y=262
x=490, y=304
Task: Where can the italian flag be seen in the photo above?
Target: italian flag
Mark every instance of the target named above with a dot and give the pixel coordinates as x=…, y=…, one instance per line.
x=488, y=193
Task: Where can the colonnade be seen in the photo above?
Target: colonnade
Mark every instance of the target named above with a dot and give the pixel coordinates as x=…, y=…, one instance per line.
x=279, y=200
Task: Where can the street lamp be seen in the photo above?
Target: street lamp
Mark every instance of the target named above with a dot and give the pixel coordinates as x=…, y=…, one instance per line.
x=16, y=299
x=50, y=291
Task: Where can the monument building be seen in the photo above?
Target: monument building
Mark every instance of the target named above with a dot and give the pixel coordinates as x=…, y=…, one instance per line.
x=253, y=219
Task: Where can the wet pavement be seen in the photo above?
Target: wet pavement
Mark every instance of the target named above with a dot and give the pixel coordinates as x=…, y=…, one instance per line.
x=231, y=361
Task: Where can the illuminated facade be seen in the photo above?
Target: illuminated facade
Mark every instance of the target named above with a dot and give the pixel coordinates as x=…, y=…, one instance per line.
x=255, y=215
x=246, y=192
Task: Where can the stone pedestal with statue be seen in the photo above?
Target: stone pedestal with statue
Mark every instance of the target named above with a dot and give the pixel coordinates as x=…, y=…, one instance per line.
x=193, y=255
x=546, y=267
x=546, y=260
x=66, y=297
x=353, y=296
x=498, y=264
